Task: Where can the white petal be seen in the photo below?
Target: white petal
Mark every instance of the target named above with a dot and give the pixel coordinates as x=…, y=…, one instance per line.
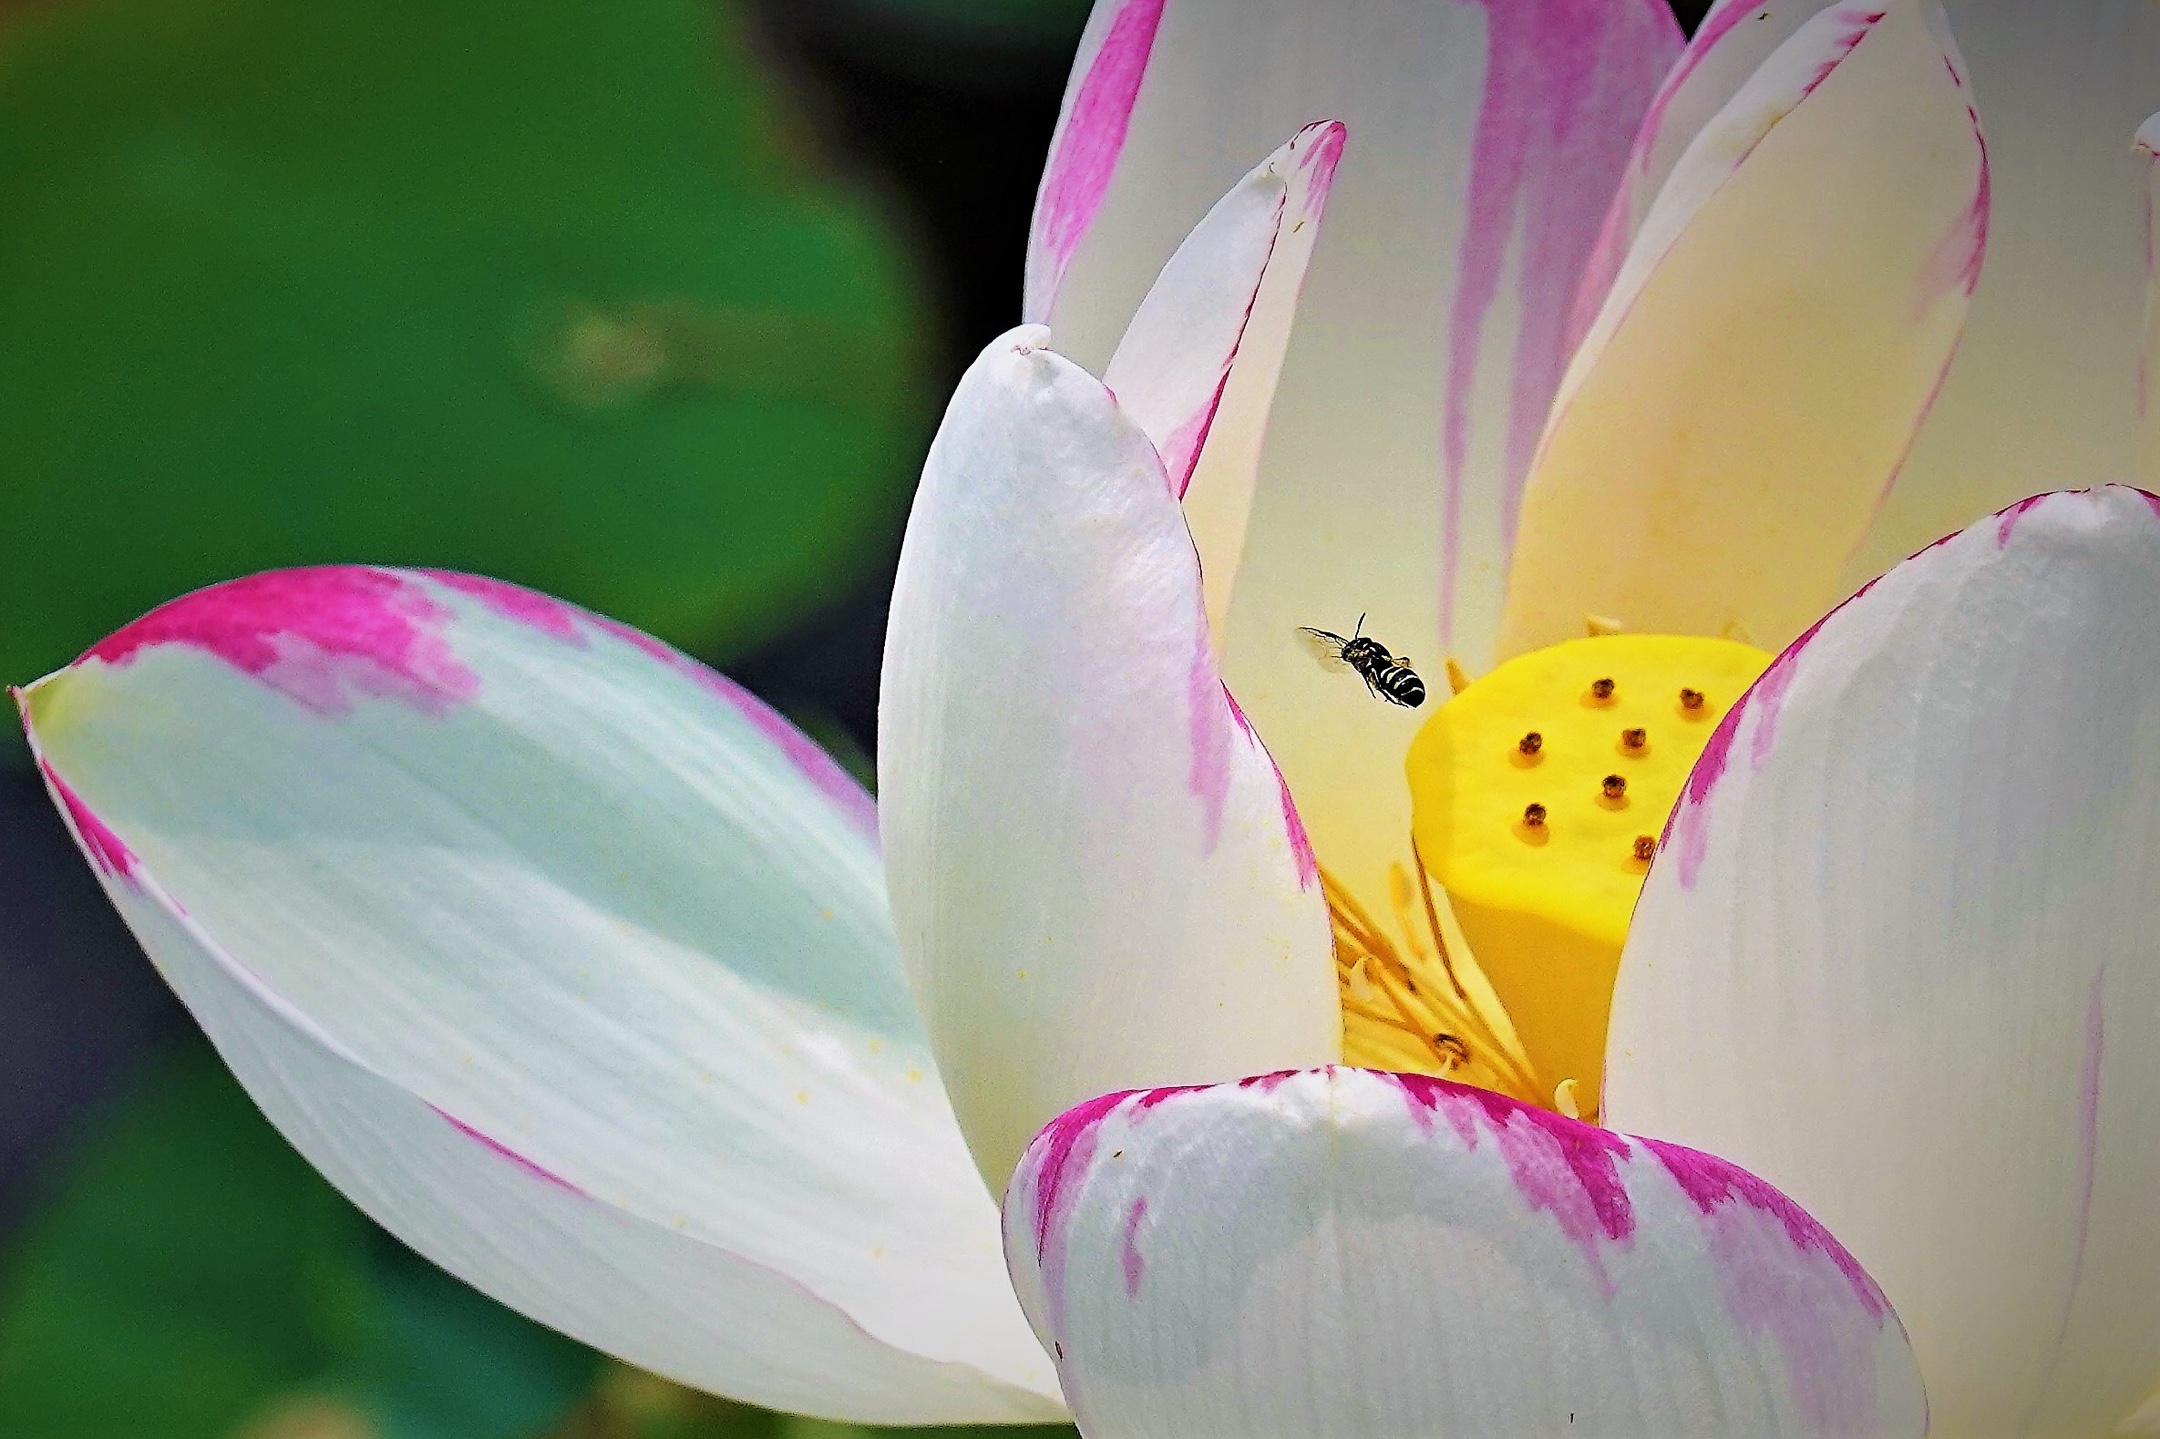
x=1780, y=327
x=1349, y=1253
x=567, y=960
x=1225, y=300
x=1485, y=140
x=1901, y=955
x=2147, y=143
x=1098, y=879
x=2146, y=1419
x=1734, y=38
x=2045, y=387
x=1092, y=129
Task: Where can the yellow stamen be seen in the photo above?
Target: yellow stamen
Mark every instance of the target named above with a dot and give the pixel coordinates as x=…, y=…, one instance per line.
x=1457, y=681
x=1567, y=1098
x=1409, y=1006
x=1408, y=922
x=1542, y=862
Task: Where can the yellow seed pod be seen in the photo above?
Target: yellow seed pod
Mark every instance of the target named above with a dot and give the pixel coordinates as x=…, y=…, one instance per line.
x=1619, y=720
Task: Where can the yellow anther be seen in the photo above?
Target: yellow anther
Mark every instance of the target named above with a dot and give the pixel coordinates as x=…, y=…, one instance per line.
x=1544, y=907
x=1567, y=1098
x=1355, y=978
x=1457, y=681
x=1595, y=625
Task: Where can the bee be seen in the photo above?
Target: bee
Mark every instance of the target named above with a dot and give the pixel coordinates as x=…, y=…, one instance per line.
x=1388, y=676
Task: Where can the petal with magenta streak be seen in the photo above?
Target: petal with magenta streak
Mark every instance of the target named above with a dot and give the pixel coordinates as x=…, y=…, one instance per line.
x=1779, y=329
x=564, y=958
x=1352, y=1253
x=1898, y=955
x=2044, y=390
x=2147, y=142
x=1098, y=878
x=1198, y=364
x=1093, y=126
x=1485, y=140
x=1734, y=38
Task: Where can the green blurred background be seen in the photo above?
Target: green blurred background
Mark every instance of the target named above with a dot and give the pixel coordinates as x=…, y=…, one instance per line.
x=651, y=304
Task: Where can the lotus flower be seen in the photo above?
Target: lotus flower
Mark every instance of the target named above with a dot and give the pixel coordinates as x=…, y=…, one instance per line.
x=585, y=973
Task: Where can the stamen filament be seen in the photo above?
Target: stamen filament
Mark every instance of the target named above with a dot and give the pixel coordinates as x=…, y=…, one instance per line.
x=1446, y=1029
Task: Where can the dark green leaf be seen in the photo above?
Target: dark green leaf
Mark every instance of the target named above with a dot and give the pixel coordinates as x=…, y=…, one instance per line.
x=193, y=1274
x=1007, y=21
x=631, y=1405
x=540, y=288
x=447, y=1362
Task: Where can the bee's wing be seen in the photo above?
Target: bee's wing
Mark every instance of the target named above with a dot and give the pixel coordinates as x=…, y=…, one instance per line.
x=1325, y=646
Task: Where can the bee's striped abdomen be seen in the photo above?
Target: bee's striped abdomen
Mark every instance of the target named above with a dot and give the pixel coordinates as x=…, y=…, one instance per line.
x=1401, y=684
